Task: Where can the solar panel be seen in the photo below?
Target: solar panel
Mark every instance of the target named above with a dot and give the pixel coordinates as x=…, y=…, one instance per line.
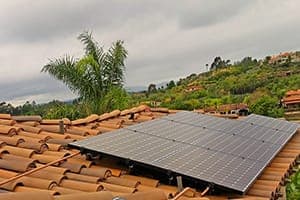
x=272, y=123
x=227, y=153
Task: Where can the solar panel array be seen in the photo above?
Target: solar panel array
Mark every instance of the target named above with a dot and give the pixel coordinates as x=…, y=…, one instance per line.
x=228, y=153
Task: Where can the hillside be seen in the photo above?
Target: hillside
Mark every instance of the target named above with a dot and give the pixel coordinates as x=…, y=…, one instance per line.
x=259, y=83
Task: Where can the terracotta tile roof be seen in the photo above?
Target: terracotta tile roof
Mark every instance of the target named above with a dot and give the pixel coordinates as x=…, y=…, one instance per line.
x=28, y=142
x=293, y=92
x=292, y=97
x=283, y=55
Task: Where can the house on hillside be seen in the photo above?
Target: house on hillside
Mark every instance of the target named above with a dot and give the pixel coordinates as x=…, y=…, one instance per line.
x=291, y=103
x=285, y=57
x=291, y=100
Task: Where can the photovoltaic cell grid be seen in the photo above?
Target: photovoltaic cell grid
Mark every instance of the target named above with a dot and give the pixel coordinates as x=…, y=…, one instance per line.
x=228, y=153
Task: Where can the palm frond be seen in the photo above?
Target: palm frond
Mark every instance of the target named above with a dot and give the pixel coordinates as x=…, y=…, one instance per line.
x=115, y=62
x=64, y=69
x=91, y=46
x=93, y=73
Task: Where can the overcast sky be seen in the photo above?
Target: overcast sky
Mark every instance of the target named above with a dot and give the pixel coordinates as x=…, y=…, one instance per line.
x=165, y=39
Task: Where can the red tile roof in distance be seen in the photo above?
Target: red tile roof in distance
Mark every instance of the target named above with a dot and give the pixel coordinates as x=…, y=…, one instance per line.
x=292, y=97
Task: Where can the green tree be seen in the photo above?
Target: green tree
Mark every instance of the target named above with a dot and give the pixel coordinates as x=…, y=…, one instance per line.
x=219, y=63
x=93, y=75
x=267, y=106
x=171, y=84
x=293, y=187
x=151, y=88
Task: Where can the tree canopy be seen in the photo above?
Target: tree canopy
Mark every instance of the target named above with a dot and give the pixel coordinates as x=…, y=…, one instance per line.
x=219, y=63
x=93, y=75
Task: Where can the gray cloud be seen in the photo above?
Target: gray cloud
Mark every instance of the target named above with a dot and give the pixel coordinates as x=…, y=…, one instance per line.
x=36, y=21
x=31, y=21
x=39, y=87
x=207, y=13
x=165, y=39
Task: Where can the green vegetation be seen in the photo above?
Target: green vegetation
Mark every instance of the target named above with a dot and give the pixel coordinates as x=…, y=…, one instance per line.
x=51, y=110
x=97, y=77
x=257, y=83
x=293, y=188
x=98, y=80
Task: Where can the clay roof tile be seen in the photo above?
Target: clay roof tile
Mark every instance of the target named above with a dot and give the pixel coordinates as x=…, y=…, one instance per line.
x=8, y=156
x=75, y=137
x=54, y=135
x=56, y=122
x=143, y=180
x=25, y=190
x=19, y=151
x=122, y=182
x=86, y=163
x=118, y=188
x=108, y=124
x=125, y=112
x=21, y=118
x=84, y=129
x=37, y=182
x=29, y=128
x=73, y=167
x=14, y=141
x=34, y=135
x=48, y=176
x=45, y=195
x=110, y=170
x=63, y=191
x=162, y=110
x=155, y=194
x=54, y=147
x=84, y=178
x=87, y=196
x=7, y=122
x=53, y=169
x=92, y=118
x=42, y=158
x=103, y=129
x=78, y=122
x=7, y=130
x=38, y=147
x=77, y=131
x=63, y=142
x=29, y=123
x=104, y=116
x=11, y=185
x=27, y=138
x=79, y=185
x=7, y=173
x=98, y=172
x=5, y=116
x=16, y=165
x=50, y=128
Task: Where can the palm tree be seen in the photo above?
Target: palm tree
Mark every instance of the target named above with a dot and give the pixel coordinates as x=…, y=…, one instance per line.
x=93, y=75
